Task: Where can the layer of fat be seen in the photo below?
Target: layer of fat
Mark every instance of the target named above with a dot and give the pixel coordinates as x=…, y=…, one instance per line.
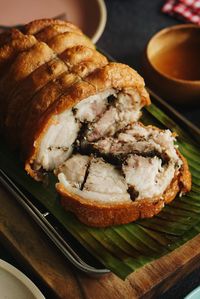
x=89, y=108
x=163, y=140
x=94, y=196
x=75, y=169
x=104, y=178
x=124, y=111
x=148, y=176
x=103, y=183
x=56, y=145
x=138, y=138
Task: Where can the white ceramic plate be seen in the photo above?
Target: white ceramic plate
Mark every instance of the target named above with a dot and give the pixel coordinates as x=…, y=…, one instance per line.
x=89, y=15
x=195, y=294
x=15, y=285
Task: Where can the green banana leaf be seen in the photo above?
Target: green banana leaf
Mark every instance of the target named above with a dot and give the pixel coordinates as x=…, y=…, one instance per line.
x=125, y=248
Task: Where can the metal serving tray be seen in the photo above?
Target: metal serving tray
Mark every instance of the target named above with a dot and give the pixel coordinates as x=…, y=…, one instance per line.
x=64, y=241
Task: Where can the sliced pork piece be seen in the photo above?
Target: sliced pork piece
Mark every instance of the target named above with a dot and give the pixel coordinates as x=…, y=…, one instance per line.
x=106, y=179
x=137, y=187
x=94, y=179
x=147, y=177
x=136, y=138
x=143, y=171
x=147, y=155
x=124, y=109
x=104, y=198
x=74, y=170
x=56, y=146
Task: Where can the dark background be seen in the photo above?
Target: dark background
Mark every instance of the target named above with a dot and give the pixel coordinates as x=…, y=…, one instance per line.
x=130, y=24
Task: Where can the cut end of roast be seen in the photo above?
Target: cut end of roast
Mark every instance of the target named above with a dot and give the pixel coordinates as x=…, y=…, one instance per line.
x=105, y=160
x=97, y=116
x=137, y=163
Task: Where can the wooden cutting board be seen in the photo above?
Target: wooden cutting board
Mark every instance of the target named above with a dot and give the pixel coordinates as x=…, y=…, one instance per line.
x=31, y=247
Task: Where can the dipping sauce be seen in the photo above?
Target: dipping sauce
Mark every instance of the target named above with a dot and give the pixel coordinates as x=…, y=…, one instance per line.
x=181, y=61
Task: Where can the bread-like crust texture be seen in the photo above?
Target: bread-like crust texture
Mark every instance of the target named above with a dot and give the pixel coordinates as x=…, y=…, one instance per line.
x=9, y=35
x=82, y=60
x=98, y=214
x=24, y=93
x=25, y=63
x=37, y=25
x=10, y=50
x=63, y=41
x=5, y=37
x=49, y=32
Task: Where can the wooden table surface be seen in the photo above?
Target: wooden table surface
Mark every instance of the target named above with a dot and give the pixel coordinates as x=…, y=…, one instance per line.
x=28, y=244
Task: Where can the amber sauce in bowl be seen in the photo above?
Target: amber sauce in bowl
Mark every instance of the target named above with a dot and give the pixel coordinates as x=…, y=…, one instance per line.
x=181, y=61
x=173, y=63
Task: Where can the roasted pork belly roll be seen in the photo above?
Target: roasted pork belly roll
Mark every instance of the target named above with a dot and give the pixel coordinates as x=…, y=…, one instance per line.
x=71, y=112
x=119, y=179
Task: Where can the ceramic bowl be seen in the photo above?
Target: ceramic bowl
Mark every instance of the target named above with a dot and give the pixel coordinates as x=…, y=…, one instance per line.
x=173, y=75
x=89, y=15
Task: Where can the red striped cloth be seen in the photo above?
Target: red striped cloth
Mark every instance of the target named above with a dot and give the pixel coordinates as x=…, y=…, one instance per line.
x=187, y=10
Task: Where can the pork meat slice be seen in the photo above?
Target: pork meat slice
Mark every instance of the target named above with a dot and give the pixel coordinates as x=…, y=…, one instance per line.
x=147, y=176
x=56, y=145
x=104, y=178
x=91, y=108
x=74, y=170
x=142, y=140
x=146, y=155
x=103, y=182
x=124, y=109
